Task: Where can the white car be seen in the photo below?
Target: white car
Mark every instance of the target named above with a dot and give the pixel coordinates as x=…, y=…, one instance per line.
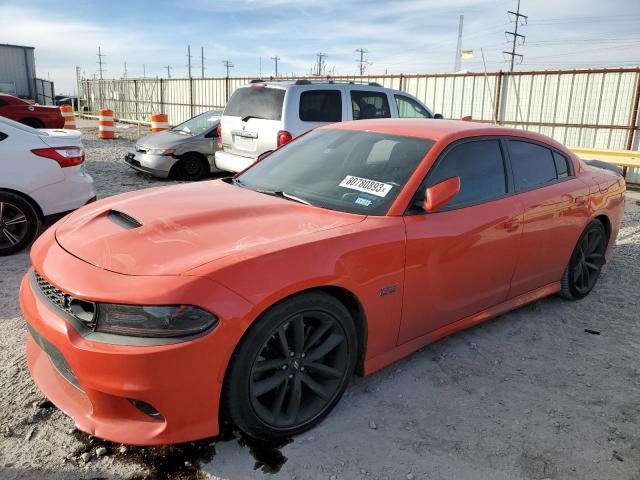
x=263, y=116
x=42, y=177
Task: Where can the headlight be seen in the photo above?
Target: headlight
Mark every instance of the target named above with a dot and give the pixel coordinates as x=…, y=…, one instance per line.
x=153, y=321
x=161, y=151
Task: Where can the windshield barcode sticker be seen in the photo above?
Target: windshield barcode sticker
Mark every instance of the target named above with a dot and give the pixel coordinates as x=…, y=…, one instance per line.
x=378, y=189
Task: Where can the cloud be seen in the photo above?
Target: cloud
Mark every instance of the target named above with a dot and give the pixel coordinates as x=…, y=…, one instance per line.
x=408, y=36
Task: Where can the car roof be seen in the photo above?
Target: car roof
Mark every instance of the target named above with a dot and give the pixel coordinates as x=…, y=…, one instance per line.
x=437, y=129
x=286, y=84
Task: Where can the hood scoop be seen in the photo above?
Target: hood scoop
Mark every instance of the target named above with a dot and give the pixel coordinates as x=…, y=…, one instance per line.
x=124, y=220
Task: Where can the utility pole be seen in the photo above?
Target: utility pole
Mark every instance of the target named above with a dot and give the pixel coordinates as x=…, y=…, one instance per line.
x=168, y=67
x=100, y=62
x=228, y=64
x=515, y=35
x=125, y=70
x=189, y=56
x=456, y=65
x=363, y=62
x=202, y=60
x=320, y=65
x=276, y=59
x=144, y=71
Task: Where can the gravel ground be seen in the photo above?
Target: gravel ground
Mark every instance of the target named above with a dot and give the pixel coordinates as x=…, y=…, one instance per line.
x=528, y=395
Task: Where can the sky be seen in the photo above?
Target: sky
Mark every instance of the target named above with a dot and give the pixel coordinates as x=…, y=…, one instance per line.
x=401, y=36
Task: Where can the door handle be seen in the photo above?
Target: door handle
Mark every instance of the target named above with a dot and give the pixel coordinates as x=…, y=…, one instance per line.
x=511, y=225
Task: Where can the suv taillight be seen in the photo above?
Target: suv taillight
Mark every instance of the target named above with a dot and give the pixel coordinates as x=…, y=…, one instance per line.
x=284, y=137
x=65, y=156
x=219, y=135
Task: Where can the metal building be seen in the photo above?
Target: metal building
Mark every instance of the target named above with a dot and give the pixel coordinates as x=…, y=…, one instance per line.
x=17, y=70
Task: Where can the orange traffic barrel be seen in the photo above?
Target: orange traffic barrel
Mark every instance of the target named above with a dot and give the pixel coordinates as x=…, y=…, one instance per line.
x=69, y=117
x=159, y=122
x=106, y=127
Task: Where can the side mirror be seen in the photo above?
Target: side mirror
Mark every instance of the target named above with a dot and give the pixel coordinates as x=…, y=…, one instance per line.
x=438, y=116
x=440, y=194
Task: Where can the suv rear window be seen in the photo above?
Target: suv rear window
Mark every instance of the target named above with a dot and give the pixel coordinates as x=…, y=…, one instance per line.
x=369, y=105
x=256, y=102
x=321, y=106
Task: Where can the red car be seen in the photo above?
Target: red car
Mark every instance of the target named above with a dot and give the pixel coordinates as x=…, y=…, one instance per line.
x=36, y=116
x=154, y=314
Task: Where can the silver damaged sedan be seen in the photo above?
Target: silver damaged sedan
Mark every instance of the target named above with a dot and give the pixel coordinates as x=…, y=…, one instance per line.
x=185, y=151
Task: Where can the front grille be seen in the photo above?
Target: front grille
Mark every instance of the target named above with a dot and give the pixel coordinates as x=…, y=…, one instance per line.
x=55, y=356
x=81, y=310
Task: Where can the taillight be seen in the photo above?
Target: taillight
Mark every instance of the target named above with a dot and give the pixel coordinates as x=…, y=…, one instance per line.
x=219, y=135
x=65, y=156
x=284, y=137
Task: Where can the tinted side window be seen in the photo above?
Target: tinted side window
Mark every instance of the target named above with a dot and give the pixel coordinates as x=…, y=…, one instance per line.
x=480, y=166
x=562, y=165
x=369, y=105
x=321, y=106
x=258, y=102
x=409, y=108
x=533, y=165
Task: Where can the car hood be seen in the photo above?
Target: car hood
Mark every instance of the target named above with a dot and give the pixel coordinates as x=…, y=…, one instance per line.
x=165, y=139
x=170, y=230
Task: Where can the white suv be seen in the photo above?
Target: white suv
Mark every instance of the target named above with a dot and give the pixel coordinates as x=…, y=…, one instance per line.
x=263, y=116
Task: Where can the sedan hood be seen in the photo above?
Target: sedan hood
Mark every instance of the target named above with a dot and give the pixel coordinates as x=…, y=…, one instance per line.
x=165, y=139
x=170, y=230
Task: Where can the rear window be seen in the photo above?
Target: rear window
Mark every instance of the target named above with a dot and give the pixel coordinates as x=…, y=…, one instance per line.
x=256, y=102
x=321, y=106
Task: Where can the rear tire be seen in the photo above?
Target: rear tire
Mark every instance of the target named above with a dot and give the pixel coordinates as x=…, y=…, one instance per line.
x=19, y=223
x=291, y=368
x=32, y=122
x=193, y=167
x=586, y=262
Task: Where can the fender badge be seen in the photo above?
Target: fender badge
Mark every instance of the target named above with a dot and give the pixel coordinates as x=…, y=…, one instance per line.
x=388, y=290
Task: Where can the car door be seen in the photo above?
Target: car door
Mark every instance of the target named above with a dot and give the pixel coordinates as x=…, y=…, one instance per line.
x=554, y=213
x=460, y=259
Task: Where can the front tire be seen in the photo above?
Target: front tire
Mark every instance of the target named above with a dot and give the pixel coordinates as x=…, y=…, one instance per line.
x=19, y=223
x=586, y=262
x=291, y=368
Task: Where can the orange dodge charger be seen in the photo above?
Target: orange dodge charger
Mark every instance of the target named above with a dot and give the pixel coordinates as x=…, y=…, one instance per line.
x=154, y=315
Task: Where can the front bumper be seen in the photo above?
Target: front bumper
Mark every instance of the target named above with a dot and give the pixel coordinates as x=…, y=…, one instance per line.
x=156, y=165
x=93, y=382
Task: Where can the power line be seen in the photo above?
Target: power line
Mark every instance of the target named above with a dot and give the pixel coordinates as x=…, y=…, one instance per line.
x=515, y=35
x=189, y=59
x=363, y=63
x=228, y=64
x=320, y=65
x=202, y=59
x=276, y=59
x=100, y=62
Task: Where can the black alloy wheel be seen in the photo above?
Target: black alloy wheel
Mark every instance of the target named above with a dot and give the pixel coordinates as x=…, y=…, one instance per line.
x=19, y=223
x=586, y=263
x=293, y=367
x=193, y=167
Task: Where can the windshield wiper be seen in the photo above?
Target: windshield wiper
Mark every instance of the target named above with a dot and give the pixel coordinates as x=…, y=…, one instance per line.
x=285, y=195
x=244, y=119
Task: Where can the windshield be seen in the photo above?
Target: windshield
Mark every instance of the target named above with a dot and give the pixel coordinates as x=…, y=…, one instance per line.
x=256, y=102
x=200, y=123
x=349, y=171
